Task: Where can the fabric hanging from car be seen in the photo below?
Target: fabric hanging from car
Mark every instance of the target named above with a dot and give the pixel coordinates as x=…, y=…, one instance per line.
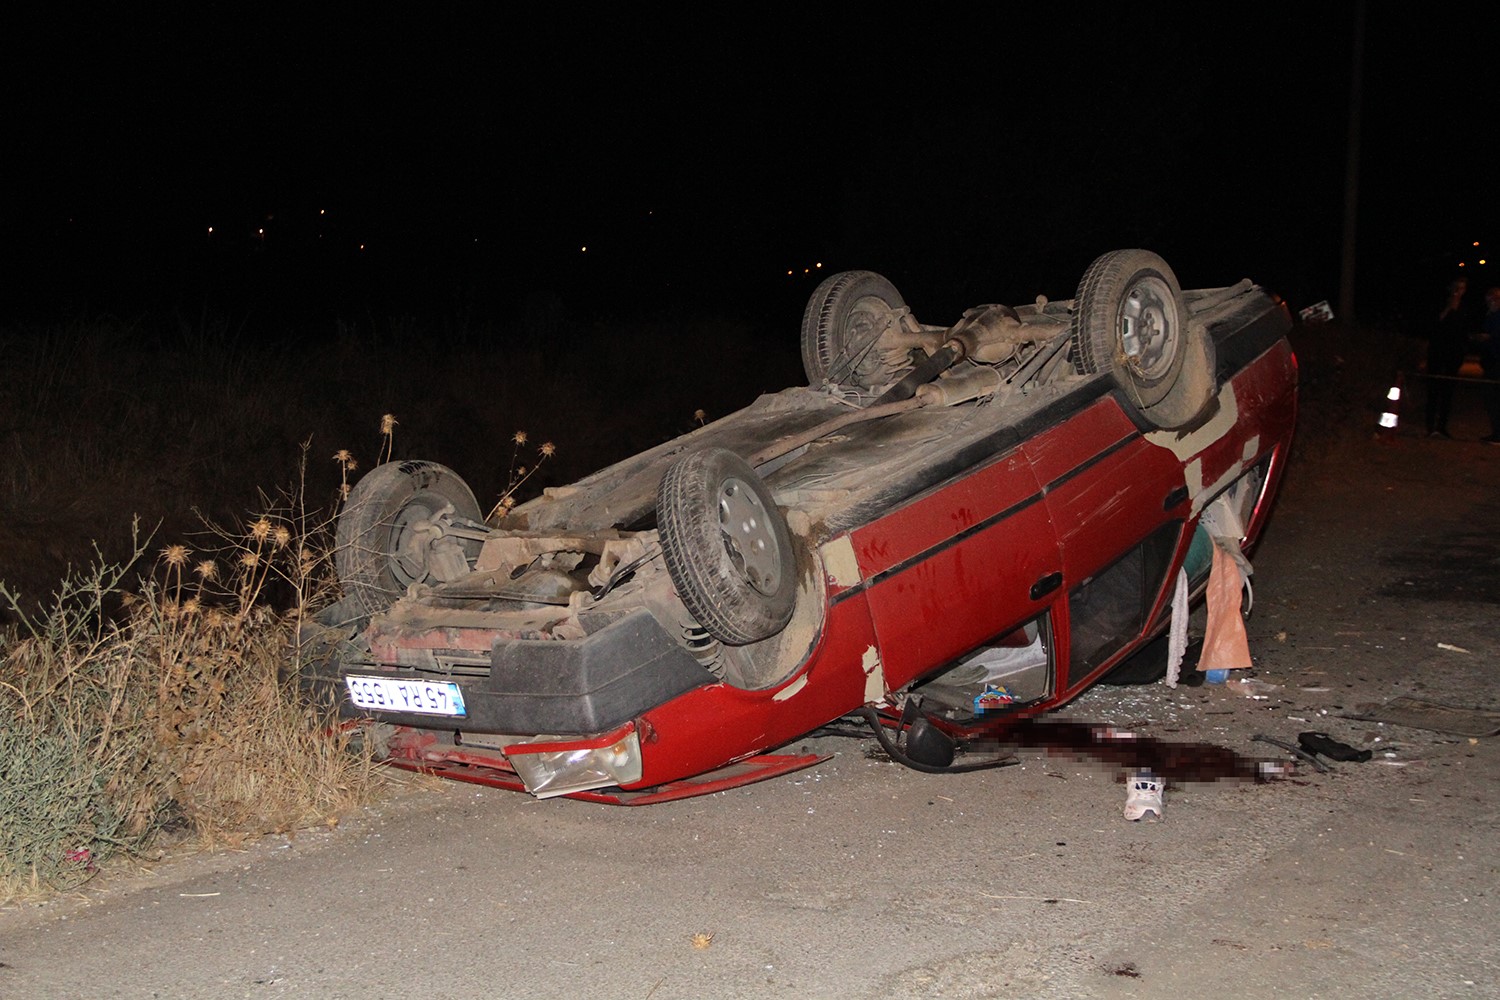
x=1177, y=634
x=1225, y=644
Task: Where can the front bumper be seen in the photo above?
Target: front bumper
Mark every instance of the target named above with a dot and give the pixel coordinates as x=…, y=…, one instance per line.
x=554, y=686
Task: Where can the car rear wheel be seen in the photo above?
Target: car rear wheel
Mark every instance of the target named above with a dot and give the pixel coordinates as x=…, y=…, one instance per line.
x=842, y=330
x=392, y=534
x=727, y=547
x=1130, y=321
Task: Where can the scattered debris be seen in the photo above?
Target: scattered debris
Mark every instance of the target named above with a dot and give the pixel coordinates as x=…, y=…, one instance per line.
x=702, y=940
x=1451, y=648
x=1296, y=751
x=1327, y=746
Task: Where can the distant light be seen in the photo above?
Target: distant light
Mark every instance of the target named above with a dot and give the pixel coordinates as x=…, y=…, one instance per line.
x=583, y=249
x=260, y=232
x=322, y=211
x=789, y=274
x=210, y=230
x=1460, y=263
x=1395, y=393
x=1476, y=243
x=807, y=270
x=1388, y=420
x=1483, y=261
x=818, y=264
x=361, y=246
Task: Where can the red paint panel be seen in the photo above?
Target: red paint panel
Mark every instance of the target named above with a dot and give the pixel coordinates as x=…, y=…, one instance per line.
x=1059, y=450
x=1109, y=506
x=938, y=515
x=709, y=727
x=962, y=594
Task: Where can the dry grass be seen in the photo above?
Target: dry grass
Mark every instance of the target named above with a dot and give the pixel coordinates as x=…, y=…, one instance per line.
x=182, y=709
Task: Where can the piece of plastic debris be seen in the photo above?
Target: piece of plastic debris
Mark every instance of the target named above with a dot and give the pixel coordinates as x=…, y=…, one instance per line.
x=1451, y=648
x=1322, y=743
x=992, y=697
x=1143, y=798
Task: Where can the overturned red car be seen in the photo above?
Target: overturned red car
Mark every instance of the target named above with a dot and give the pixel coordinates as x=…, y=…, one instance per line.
x=947, y=530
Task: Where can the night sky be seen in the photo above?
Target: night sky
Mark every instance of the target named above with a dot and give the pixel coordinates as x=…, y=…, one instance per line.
x=457, y=159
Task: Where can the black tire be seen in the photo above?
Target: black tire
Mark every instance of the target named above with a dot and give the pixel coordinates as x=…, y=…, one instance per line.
x=1130, y=321
x=841, y=329
x=376, y=523
x=727, y=547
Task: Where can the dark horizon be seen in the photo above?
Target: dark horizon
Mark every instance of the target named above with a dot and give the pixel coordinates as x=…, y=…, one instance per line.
x=458, y=164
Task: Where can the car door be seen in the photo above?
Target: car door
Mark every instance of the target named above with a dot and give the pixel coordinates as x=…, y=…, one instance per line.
x=957, y=566
x=1117, y=504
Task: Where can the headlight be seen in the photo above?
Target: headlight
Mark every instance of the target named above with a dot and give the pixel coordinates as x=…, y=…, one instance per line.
x=560, y=767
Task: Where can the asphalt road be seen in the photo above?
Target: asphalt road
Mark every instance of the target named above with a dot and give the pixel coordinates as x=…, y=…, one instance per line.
x=861, y=879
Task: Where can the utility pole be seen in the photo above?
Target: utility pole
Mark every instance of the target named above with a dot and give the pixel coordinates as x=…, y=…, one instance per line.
x=1351, y=168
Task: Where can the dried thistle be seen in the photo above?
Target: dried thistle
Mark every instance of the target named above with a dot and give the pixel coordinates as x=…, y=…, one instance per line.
x=388, y=431
x=249, y=560
x=207, y=570
x=281, y=536
x=548, y=449
x=175, y=556
x=261, y=530
x=345, y=459
x=702, y=940
x=519, y=437
x=700, y=416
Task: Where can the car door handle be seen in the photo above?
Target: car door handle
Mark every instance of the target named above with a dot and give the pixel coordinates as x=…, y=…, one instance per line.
x=1174, y=498
x=1046, y=585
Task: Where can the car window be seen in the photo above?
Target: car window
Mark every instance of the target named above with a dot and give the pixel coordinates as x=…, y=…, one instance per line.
x=1108, y=610
x=1009, y=671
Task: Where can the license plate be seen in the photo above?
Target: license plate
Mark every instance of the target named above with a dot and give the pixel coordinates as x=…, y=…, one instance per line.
x=386, y=694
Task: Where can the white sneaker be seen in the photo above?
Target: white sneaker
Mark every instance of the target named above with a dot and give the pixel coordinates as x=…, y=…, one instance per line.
x=1143, y=798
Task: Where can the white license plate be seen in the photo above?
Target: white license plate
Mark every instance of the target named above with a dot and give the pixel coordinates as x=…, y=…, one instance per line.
x=386, y=694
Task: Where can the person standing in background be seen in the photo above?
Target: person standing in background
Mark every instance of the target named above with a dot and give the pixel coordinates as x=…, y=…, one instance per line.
x=1446, y=348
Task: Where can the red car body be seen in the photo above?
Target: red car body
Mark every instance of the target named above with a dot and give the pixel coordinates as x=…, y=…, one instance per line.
x=930, y=545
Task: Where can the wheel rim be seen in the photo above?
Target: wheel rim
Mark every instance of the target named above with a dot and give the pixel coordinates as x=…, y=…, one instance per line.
x=1148, y=327
x=410, y=533
x=748, y=537
x=858, y=342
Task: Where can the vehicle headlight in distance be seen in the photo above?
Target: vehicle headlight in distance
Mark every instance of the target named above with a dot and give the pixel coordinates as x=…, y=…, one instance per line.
x=552, y=767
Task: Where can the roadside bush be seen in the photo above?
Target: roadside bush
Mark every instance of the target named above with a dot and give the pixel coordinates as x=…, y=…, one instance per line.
x=181, y=709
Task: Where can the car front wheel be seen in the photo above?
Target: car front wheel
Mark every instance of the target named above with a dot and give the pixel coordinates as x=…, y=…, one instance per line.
x=727, y=547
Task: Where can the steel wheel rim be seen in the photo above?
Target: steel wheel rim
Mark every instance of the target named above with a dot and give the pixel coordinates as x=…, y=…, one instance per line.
x=749, y=541
x=409, y=544
x=1148, y=327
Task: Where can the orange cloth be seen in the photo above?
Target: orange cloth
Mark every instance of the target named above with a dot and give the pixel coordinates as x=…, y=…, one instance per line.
x=1225, y=645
